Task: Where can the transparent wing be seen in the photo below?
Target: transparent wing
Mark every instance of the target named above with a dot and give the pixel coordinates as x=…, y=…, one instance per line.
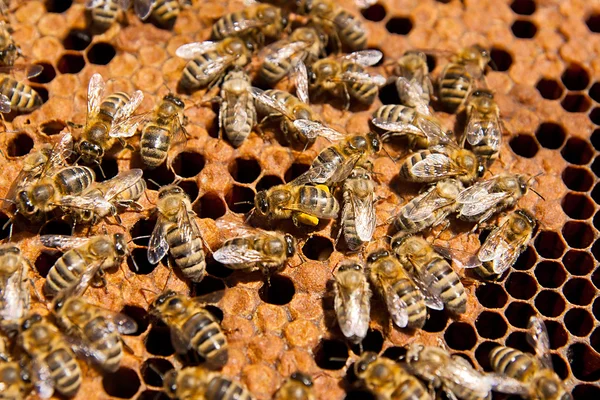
x=124, y=324
x=329, y=173
x=284, y=52
x=32, y=70
x=230, y=254
x=397, y=308
x=504, y=254
x=538, y=338
x=411, y=93
x=365, y=58
x=4, y=104
x=214, y=68
x=364, y=214
x=301, y=77
x=42, y=378
x=58, y=155
x=353, y=310
x=260, y=96
x=113, y=187
x=186, y=224
x=462, y=374
x=63, y=242
x=488, y=131
x=432, y=299
x=124, y=123
x=239, y=26
x=89, y=4
x=143, y=8
x=124, y=4
x=477, y=192
x=504, y=384
x=432, y=130
x=15, y=294
x=83, y=348
x=485, y=204
x=426, y=204
x=92, y=201
x=96, y=88
x=180, y=341
x=363, y=77
x=364, y=3
x=192, y=50
x=158, y=245
x=436, y=165
x=313, y=129
x=239, y=112
x=397, y=127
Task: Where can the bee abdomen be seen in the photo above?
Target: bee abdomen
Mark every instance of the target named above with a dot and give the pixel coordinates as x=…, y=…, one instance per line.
x=113, y=103
x=194, y=69
x=154, y=144
x=318, y=199
x=453, y=90
x=511, y=362
x=407, y=165
x=108, y=342
x=395, y=113
x=207, y=338
x=189, y=256
x=105, y=14
x=22, y=97
x=410, y=389
x=74, y=180
x=452, y=290
x=352, y=32
x=417, y=311
x=486, y=271
x=64, y=371
x=220, y=388
x=272, y=72
x=65, y=271
x=165, y=12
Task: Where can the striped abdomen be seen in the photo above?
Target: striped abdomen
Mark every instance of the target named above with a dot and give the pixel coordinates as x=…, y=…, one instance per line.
x=104, y=14
x=395, y=113
x=404, y=224
x=273, y=72
x=407, y=165
x=363, y=92
x=112, y=104
x=329, y=156
x=154, y=144
x=224, y=26
x=513, y=363
x=65, y=272
x=416, y=308
x=207, y=338
x=194, y=69
x=189, y=256
x=349, y=225
x=235, y=134
x=64, y=371
x=23, y=98
x=455, y=85
x=165, y=12
x=319, y=200
x=74, y=180
x=448, y=284
x=221, y=388
x=350, y=30
x=132, y=193
x=410, y=389
x=106, y=341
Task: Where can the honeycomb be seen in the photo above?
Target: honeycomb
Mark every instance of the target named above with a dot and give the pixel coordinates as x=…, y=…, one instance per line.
x=547, y=83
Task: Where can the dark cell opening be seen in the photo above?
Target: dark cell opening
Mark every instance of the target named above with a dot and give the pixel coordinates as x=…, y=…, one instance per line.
x=595, y=116
x=372, y=342
x=331, y=354
x=211, y=206
x=138, y=262
x=399, y=25
x=190, y=188
x=58, y=6
x=491, y=295
x=77, y=39
x=490, y=325
x=295, y=171
x=526, y=260
x=279, y=291
x=141, y=230
x=523, y=7
x=208, y=285
x=578, y=262
x=217, y=269
x=594, y=92
x=188, y=164
x=123, y=383
x=579, y=179
x=523, y=29
x=70, y=63
x=215, y=312
x=374, y=13
x=4, y=226
x=501, y=58
x=549, y=244
x=550, y=274
x=101, y=53
x=549, y=89
x=595, y=339
x=52, y=127
x=577, y=151
x=483, y=235
x=359, y=394
x=585, y=362
x=267, y=182
x=240, y=199
x=394, y=353
x=107, y=169
x=582, y=392
x=388, y=94
x=575, y=77
x=596, y=166
x=431, y=62
x=578, y=234
x=460, y=336
x=560, y=366
x=596, y=309
x=139, y=315
x=518, y=314
x=317, y=248
x=593, y=22
x=153, y=369
x=518, y=340
x=575, y=103
x=524, y=145
x=56, y=227
x=45, y=261
x=436, y=321
x=158, y=341
x=596, y=221
x=557, y=334
x=482, y=355
x=244, y=170
x=152, y=395
x=162, y=175
x=521, y=286
x=579, y=322
x=579, y=291
x=549, y=303
x=19, y=145
x=47, y=75
x=42, y=91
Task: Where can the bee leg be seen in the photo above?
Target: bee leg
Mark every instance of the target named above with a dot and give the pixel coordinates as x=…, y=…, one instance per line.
x=126, y=347
x=449, y=394
x=444, y=228
x=346, y=97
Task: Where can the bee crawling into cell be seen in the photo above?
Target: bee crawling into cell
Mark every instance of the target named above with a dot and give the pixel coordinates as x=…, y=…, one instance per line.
x=352, y=300
x=14, y=285
x=199, y=383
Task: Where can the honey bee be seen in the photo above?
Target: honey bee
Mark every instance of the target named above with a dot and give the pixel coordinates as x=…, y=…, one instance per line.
x=107, y=120
x=163, y=12
x=346, y=77
x=53, y=363
x=406, y=302
x=237, y=113
x=429, y=208
x=423, y=131
x=209, y=61
x=198, y=383
x=9, y=51
x=504, y=244
x=302, y=203
x=192, y=327
x=298, y=386
x=166, y=124
x=441, y=162
x=387, y=379
x=14, y=293
x=96, y=330
x=17, y=96
x=15, y=381
x=104, y=13
x=413, y=83
x=84, y=257
x=176, y=229
x=352, y=300
x=483, y=131
x=358, y=213
x=428, y=267
x=458, y=77
x=535, y=371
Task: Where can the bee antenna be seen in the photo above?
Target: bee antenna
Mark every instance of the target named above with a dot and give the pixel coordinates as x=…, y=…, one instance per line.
x=536, y=192
x=388, y=154
x=143, y=290
x=154, y=182
x=249, y=216
x=100, y=168
x=242, y=202
x=138, y=237
x=493, y=64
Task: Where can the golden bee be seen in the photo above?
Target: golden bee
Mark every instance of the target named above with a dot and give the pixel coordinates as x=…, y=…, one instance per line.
x=483, y=131
x=108, y=119
x=535, y=371
x=166, y=124
x=504, y=244
x=197, y=383
x=386, y=379
x=163, y=12
x=192, y=327
x=15, y=381
x=17, y=96
x=298, y=386
x=352, y=300
x=419, y=258
x=54, y=367
x=237, y=112
x=413, y=83
x=84, y=258
x=358, y=217
x=177, y=231
x=458, y=77
x=302, y=203
x=209, y=62
x=430, y=208
x=14, y=284
x=104, y=13
x=9, y=51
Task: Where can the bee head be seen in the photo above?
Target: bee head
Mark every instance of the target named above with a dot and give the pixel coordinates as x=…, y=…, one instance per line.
x=261, y=202
x=169, y=190
x=89, y=152
x=160, y=300
x=480, y=169
x=29, y=322
x=376, y=255
x=374, y=141
x=361, y=365
x=350, y=266
x=175, y=100
x=25, y=204
x=527, y=217
x=120, y=245
x=398, y=240
x=290, y=245
x=302, y=378
x=170, y=383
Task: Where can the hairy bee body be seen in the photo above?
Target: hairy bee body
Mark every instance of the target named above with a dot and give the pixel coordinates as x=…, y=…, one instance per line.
x=296, y=109
x=298, y=386
x=23, y=99
x=165, y=12
x=14, y=381
x=442, y=162
x=358, y=213
x=413, y=82
x=352, y=301
x=9, y=51
x=483, y=131
x=345, y=28
x=364, y=92
x=237, y=114
x=104, y=14
x=15, y=298
x=197, y=383
x=335, y=76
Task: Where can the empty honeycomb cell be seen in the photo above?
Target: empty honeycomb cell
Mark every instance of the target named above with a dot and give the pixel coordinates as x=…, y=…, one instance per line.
x=501, y=59
x=52, y=127
x=579, y=179
x=524, y=145
x=557, y=334
x=523, y=7
x=518, y=340
x=578, y=262
x=595, y=339
x=101, y=53
x=579, y=322
x=491, y=295
x=56, y=227
x=388, y=94
x=208, y=285
x=161, y=175
x=210, y=206
x=190, y=188
x=47, y=75
x=518, y=314
x=77, y=39
x=436, y=321
x=593, y=22
x=295, y=171
x=4, y=226
x=581, y=392
x=331, y=354
x=521, y=285
x=141, y=230
x=158, y=341
x=596, y=221
x=360, y=394
x=549, y=244
x=594, y=92
x=188, y=164
x=576, y=103
x=577, y=206
x=399, y=25
x=549, y=89
x=490, y=325
x=579, y=291
x=575, y=77
x=317, y=248
x=123, y=383
x=240, y=199
x=578, y=235
x=19, y=145
x=584, y=361
x=279, y=290
x=595, y=116
x=139, y=315
x=393, y=353
x=596, y=166
x=375, y=12
x=153, y=369
x=70, y=63
x=138, y=262
x=460, y=336
x=217, y=269
x=107, y=169
x=58, y=6
x=244, y=170
x=267, y=182
x=550, y=303
x=526, y=260
x=577, y=151
x=482, y=355
x=523, y=29
x=42, y=91
x=596, y=278
x=45, y=261
x=372, y=342
x=152, y=395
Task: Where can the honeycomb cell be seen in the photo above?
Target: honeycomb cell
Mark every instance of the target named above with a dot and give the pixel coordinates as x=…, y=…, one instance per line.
x=550, y=135
x=107, y=169
x=549, y=244
x=4, y=222
x=579, y=291
x=557, y=334
x=593, y=22
x=47, y=75
x=101, y=53
x=523, y=7
x=579, y=322
x=19, y=145
x=436, y=321
x=596, y=278
x=360, y=394
x=279, y=291
x=190, y=188
x=523, y=29
x=550, y=274
x=295, y=171
x=549, y=89
x=518, y=340
x=375, y=12
x=577, y=206
x=518, y=314
x=582, y=392
x=188, y=164
x=373, y=341
x=584, y=361
x=575, y=77
x=560, y=366
x=490, y=325
x=141, y=229
x=158, y=341
x=208, y=285
x=123, y=383
x=577, y=151
x=526, y=260
x=594, y=92
x=596, y=166
x=56, y=227
x=388, y=94
x=211, y=206
x=52, y=127
x=595, y=339
x=578, y=262
x=77, y=39
x=240, y=199
x=482, y=355
x=162, y=175
x=58, y=6
x=579, y=179
x=550, y=303
x=70, y=63
x=521, y=285
x=152, y=395
x=217, y=269
x=596, y=221
x=399, y=25
x=524, y=145
x=139, y=315
x=318, y=248
x=491, y=295
x=460, y=336
x=331, y=354
x=138, y=262
x=576, y=103
x=45, y=261
x=244, y=170
x=595, y=116
x=501, y=59
x=153, y=369
x=578, y=234
x=267, y=182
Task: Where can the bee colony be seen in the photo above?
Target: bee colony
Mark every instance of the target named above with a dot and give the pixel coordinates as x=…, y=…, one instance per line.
x=541, y=92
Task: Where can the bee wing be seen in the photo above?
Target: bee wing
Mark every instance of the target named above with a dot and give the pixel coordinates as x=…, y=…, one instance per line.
x=476, y=192
x=58, y=155
x=214, y=67
x=313, y=129
x=96, y=88
x=42, y=378
x=238, y=255
x=397, y=127
x=190, y=51
x=89, y=4
x=364, y=3
x=498, y=250
x=479, y=130
x=84, y=349
x=436, y=165
x=123, y=324
x=432, y=130
x=284, y=52
x=124, y=4
x=504, y=384
x=485, y=203
x=364, y=215
x=538, y=338
x=158, y=245
x=241, y=25
x=463, y=375
x=63, y=242
x=365, y=58
x=260, y=96
x=363, y=77
x=124, y=124
x=429, y=202
x=432, y=299
x=354, y=307
x=16, y=296
x=180, y=341
x=92, y=201
x=143, y=8
x=397, y=307
x=328, y=173
x=118, y=184
x=411, y=94
x=186, y=224
x=301, y=78
x=239, y=112
x=4, y=104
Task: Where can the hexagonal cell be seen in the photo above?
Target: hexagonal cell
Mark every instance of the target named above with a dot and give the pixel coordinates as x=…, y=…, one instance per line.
x=518, y=340
x=47, y=75
x=596, y=309
x=460, y=336
x=596, y=166
x=579, y=322
x=523, y=29
x=19, y=145
x=153, y=369
x=210, y=206
x=594, y=92
x=557, y=334
x=77, y=39
x=267, y=182
x=501, y=59
x=585, y=362
x=188, y=164
x=593, y=22
x=595, y=116
x=138, y=262
x=375, y=12
x=577, y=151
x=139, y=315
x=518, y=314
x=388, y=94
x=523, y=7
x=524, y=145
x=52, y=127
x=56, y=227
x=4, y=220
x=576, y=103
x=161, y=175
x=152, y=395
x=596, y=221
x=359, y=394
x=578, y=262
x=331, y=354
x=596, y=250
x=549, y=89
x=575, y=77
x=373, y=341
x=240, y=199
x=244, y=170
x=70, y=63
x=595, y=339
x=216, y=269
x=123, y=383
x=279, y=291
x=436, y=321
x=577, y=206
x=550, y=274
x=318, y=248
x=490, y=325
x=482, y=355
x=295, y=171
x=45, y=261
x=101, y=53
x=526, y=260
x=579, y=291
x=521, y=285
x=158, y=341
x=578, y=235
x=579, y=179
x=58, y=6
x=491, y=295
x=550, y=303
x=399, y=25
x=550, y=135
x=582, y=392
x=208, y=285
